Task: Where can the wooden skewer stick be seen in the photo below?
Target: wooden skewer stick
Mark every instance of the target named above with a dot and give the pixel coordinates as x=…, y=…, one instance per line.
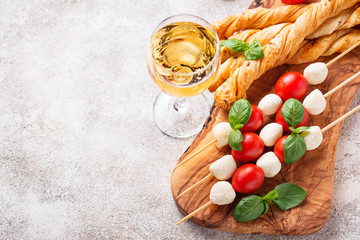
x=341, y=84
x=340, y=119
x=342, y=54
x=195, y=212
x=206, y=178
x=195, y=153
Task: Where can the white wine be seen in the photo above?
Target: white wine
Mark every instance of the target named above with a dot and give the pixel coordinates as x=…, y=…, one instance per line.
x=182, y=55
x=183, y=47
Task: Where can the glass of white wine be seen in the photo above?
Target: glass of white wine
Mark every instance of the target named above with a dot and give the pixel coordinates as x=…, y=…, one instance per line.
x=183, y=58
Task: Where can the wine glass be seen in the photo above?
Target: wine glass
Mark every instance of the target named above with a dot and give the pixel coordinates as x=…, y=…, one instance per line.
x=183, y=58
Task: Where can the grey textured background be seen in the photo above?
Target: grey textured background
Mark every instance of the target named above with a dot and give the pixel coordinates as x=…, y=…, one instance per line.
x=80, y=156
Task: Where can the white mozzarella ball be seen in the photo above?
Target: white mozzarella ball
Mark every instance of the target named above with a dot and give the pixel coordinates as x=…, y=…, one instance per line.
x=313, y=137
x=271, y=133
x=222, y=193
x=270, y=164
x=270, y=104
x=221, y=133
x=224, y=168
x=316, y=73
x=315, y=102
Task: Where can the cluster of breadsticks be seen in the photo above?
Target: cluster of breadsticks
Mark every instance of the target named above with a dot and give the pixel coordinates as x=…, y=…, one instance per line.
x=291, y=34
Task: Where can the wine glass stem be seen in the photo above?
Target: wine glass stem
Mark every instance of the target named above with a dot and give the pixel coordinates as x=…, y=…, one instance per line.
x=180, y=104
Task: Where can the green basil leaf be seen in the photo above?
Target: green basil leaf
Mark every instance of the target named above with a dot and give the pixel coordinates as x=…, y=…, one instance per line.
x=238, y=126
x=305, y=133
x=270, y=196
x=301, y=129
x=235, y=45
x=293, y=130
x=239, y=114
x=235, y=138
x=249, y=208
x=293, y=112
x=290, y=195
x=294, y=148
x=255, y=51
x=266, y=206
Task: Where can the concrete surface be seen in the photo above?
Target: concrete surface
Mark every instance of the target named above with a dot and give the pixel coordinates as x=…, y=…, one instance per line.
x=80, y=157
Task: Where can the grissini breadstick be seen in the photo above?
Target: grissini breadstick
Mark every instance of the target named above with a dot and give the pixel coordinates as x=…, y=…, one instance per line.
x=264, y=36
x=232, y=61
x=257, y=18
x=307, y=51
x=232, y=64
x=289, y=38
x=353, y=20
x=339, y=41
x=341, y=48
x=242, y=35
x=345, y=20
x=316, y=73
x=225, y=70
x=261, y=18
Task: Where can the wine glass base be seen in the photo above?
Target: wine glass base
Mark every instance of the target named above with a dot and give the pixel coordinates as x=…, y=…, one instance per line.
x=180, y=118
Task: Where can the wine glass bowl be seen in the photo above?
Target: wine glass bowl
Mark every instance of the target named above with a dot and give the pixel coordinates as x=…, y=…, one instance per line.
x=182, y=58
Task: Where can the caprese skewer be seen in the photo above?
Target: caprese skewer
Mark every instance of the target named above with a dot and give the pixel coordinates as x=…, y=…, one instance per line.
x=249, y=177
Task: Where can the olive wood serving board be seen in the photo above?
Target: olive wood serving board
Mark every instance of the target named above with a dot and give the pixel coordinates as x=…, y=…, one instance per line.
x=314, y=172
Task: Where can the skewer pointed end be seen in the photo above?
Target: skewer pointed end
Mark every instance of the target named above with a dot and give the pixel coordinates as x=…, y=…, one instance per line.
x=194, y=212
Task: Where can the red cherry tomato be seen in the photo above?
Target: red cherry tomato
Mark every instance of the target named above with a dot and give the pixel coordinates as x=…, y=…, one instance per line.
x=280, y=120
x=252, y=148
x=291, y=85
x=279, y=149
x=247, y=178
x=255, y=121
x=292, y=2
